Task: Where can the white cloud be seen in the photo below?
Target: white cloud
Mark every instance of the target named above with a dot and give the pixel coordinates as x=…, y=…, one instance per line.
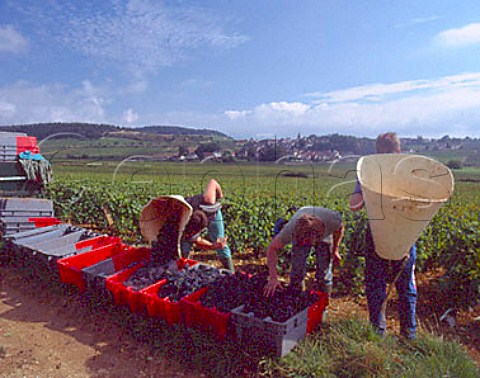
x=466, y=35
x=130, y=116
x=274, y=110
x=428, y=107
x=24, y=102
x=379, y=91
x=12, y=41
x=236, y=114
x=293, y=108
x=417, y=21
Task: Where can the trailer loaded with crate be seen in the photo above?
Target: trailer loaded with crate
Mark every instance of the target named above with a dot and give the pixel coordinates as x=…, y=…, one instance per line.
x=13, y=178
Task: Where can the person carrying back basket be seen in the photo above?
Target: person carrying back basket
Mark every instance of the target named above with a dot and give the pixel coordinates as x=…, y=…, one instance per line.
x=378, y=270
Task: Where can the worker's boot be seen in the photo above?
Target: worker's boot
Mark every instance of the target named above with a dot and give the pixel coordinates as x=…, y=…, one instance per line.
x=227, y=263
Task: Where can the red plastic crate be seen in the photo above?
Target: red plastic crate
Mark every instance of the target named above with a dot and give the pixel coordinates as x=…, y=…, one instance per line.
x=123, y=295
x=70, y=268
x=114, y=284
x=27, y=143
x=207, y=319
x=97, y=241
x=136, y=300
x=131, y=256
x=44, y=221
x=315, y=312
x=95, y=275
x=183, y=262
x=164, y=308
x=161, y=307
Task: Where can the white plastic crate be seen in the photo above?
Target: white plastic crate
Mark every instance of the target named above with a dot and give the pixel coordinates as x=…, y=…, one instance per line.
x=272, y=338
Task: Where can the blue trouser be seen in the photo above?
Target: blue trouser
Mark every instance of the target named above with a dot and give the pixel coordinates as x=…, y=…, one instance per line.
x=323, y=274
x=216, y=229
x=376, y=274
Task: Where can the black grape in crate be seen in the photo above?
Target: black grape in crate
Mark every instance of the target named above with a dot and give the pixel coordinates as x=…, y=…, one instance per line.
x=280, y=307
x=146, y=276
x=184, y=282
x=226, y=293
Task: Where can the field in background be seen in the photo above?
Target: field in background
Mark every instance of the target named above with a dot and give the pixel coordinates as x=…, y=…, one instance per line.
x=159, y=146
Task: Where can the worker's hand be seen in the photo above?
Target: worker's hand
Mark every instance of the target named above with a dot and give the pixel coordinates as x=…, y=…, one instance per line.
x=220, y=243
x=356, y=202
x=272, y=285
x=336, y=257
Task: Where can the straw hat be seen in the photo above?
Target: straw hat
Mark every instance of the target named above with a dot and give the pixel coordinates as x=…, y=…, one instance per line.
x=158, y=210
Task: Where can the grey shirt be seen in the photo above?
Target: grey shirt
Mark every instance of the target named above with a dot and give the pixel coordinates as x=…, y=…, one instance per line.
x=331, y=219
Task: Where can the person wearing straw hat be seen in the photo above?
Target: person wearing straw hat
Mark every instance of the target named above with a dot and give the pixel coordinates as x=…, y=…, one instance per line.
x=311, y=227
x=207, y=215
x=379, y=270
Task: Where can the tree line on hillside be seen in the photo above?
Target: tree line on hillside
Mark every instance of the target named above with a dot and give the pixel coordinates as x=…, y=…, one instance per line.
x=43, y=130
x=93, y=131
x=177, y=130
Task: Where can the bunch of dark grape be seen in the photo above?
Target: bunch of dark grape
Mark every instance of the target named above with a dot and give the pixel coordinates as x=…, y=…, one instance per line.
x=184, y=282
x=226, y=292
x=164, y=251
x=147, y=275
x=280, y=307
x=255, y=287
x=165, y=248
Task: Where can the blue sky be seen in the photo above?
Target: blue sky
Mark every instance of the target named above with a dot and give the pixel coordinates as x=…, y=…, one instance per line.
x=249, y=68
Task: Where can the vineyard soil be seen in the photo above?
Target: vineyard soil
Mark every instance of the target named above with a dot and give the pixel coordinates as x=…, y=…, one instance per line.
x=47, y=332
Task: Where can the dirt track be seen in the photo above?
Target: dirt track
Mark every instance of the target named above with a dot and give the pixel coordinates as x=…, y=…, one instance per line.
x=52, y=333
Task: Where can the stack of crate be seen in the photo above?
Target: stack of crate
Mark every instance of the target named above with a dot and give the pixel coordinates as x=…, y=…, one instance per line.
x=13, y=180
x=24, y=214
x=38, y=250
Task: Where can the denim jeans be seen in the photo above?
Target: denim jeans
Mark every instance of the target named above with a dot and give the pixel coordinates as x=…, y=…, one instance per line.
x=376, y=275
x=323, y=274
x=216, y=229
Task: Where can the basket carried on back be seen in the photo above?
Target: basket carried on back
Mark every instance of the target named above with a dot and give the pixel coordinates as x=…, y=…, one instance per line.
x=402, y=193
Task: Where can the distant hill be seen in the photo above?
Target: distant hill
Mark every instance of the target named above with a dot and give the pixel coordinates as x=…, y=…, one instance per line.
x=175, y=130
x=94, y=131
x=86, y=140
x=43, y=130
